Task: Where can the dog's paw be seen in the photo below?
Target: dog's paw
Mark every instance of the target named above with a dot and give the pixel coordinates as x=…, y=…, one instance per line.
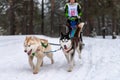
x=35, y=72
x=69, y=70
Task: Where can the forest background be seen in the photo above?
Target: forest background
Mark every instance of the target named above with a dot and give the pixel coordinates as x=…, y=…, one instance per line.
x=46, y=17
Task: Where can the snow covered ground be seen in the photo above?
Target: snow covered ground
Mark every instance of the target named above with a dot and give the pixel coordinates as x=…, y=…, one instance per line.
x=100, y=61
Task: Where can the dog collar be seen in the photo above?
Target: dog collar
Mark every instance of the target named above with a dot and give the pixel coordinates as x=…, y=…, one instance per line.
x=68, y=49
x=45, y=46
x=33, y=54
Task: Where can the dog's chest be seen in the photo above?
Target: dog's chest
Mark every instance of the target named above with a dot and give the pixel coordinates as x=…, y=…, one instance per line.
x=68, y=50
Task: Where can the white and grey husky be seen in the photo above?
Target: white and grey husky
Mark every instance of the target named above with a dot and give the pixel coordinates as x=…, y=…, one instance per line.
x=69, y=46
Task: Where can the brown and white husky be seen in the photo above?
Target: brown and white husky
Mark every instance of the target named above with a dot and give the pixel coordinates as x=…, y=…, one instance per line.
x=35, y=47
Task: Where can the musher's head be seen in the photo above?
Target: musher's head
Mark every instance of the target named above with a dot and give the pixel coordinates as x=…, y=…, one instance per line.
x=72, y=1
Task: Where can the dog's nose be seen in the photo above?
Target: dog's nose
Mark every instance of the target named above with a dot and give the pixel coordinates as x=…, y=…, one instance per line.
x=25, y=50
x=65, y=47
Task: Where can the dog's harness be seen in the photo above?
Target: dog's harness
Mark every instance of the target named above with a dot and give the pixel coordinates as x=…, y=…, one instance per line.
x=54, y=50
x=45, y=46
x=33, y=54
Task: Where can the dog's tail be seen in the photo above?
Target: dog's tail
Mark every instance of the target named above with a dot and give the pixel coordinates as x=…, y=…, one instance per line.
x=79, y=29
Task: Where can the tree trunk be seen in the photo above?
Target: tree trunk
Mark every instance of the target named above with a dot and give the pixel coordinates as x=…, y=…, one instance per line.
x=85, y=16
x=103, y=20
x=12, y=17
x=114, y=25
x=25, y=18
x=42, y=24
x=52, y=16
x=103, y=26
x=90, y=25
x=31, y=28
x=99, y=29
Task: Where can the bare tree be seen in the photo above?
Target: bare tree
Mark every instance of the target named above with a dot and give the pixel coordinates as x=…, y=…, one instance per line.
x=31, y=27
x=12, y=17
x=42, y=23
x=24, y=17
x=52, y=16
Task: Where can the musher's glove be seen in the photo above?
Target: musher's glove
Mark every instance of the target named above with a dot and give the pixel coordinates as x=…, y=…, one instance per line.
x=78, y=17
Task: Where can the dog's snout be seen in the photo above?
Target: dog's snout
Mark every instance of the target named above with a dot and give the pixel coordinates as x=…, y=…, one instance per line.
x=25, y=50
x=65, y=46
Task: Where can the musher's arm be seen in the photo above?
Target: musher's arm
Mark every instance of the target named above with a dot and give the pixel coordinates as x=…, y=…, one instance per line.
x=79, y=10
x=66, y=10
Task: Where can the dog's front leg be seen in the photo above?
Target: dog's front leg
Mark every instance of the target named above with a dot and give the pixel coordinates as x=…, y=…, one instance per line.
x=67, y=57
x=71, y=65
x=71, y=62
x=38, y=65
x=79, y=52
x=31, y=62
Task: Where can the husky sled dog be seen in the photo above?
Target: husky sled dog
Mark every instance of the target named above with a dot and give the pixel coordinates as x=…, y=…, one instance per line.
x=35, y=47
x=69, y=45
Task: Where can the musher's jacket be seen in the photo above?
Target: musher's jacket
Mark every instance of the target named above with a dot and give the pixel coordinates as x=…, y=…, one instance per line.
x=72, y=10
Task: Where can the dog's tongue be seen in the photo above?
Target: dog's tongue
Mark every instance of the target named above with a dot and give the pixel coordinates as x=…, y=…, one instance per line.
x=65, y=47
x=29, y=52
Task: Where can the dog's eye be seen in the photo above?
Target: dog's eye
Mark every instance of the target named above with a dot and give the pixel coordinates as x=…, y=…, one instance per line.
x=66, y=40
x=29, y=45
x=63, y=40
x=25, y=45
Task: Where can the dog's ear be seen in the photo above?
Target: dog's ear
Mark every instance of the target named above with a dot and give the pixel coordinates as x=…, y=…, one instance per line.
x=61, y=34
x=67, y=33
x=27, y=37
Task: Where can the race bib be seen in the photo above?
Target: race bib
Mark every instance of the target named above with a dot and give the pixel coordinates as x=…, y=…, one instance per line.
x=72, y=12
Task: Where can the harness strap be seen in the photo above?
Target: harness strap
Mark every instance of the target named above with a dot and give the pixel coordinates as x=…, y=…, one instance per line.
x=54, y=50
x=54, y=44
x=33, y=54
x=45, y=46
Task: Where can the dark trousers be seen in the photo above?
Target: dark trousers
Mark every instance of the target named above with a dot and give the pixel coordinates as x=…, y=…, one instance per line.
x=70, y=29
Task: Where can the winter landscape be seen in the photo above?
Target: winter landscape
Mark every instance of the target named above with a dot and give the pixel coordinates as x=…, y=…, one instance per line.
x=100, y=61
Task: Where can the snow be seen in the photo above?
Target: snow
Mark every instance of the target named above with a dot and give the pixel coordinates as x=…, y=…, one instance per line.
x=100, y=61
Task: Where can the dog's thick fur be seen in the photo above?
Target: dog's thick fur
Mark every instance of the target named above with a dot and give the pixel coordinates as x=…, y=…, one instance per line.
x=35, y=47
x=70, y=45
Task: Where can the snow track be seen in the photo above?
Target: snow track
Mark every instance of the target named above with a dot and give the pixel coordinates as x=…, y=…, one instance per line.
x=100, y=61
